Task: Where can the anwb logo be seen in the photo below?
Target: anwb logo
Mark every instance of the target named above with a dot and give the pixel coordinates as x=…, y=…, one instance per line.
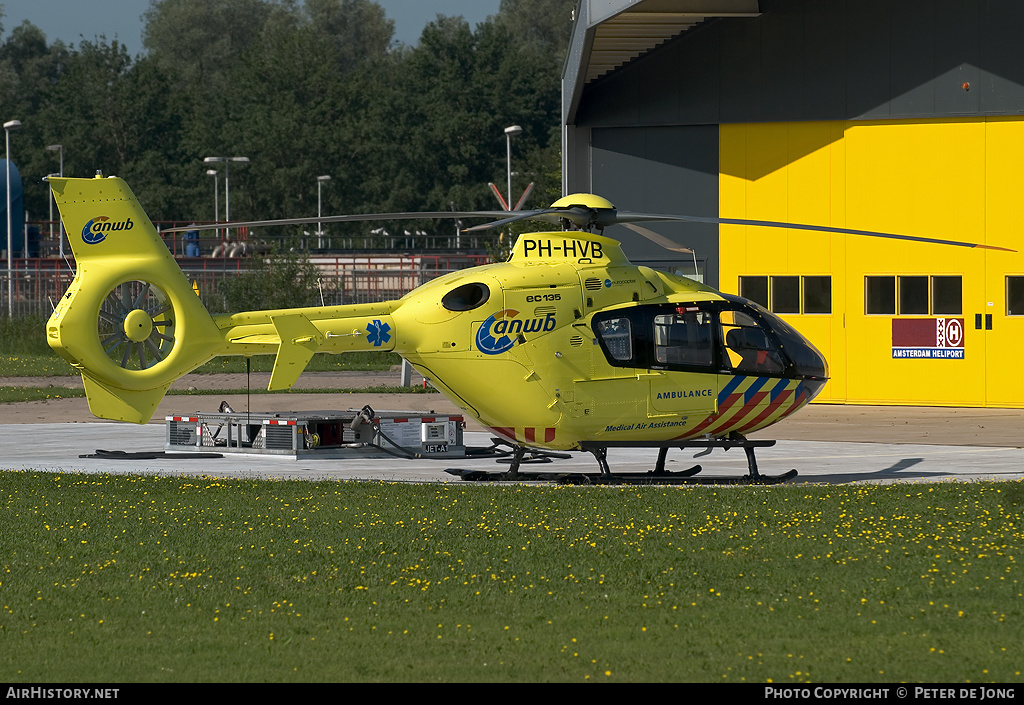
x=499, y=332
x=95, y=231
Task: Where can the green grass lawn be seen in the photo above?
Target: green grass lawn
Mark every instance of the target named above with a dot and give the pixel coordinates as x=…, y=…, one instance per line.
x=35, y=365
x=129, y=579
x=18, y=394
x=48, y=364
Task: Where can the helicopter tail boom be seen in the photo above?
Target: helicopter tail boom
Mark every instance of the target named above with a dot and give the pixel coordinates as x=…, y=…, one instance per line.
x=131, y=322
x=295, y=335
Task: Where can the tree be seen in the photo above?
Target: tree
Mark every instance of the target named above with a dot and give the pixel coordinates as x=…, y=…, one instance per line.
x=546, y=25
x=284, y=279
x=430, y=121
x=302, y=89
x=284, y=101
x=114, y=116
x=199, y=41
x=360, y=28
x=29, y=69
x=282, y=98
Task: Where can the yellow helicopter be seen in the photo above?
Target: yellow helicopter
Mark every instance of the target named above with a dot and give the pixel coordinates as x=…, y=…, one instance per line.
x=564, y=346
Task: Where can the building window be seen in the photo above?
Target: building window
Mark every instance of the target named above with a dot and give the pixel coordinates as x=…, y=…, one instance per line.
x=1015, y=296
x=880, y=295
x=789, y=294
x=817, y=294
x=755, y=289
x=917, y=295
x=947, y=296
x=913, y=295
x=785, y=297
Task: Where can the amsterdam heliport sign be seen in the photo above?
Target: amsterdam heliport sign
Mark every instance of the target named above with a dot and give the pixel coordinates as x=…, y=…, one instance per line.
x=928, y=338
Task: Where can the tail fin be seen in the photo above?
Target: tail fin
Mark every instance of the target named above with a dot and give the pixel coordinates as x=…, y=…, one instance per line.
x=130, y=322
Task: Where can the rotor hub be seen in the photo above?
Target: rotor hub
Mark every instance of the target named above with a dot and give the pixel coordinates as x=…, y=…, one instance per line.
x=138, y=325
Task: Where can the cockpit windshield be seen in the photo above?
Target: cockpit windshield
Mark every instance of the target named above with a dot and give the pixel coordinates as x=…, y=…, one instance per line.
x=747, y=347
x=736, y=335
x=807, y=360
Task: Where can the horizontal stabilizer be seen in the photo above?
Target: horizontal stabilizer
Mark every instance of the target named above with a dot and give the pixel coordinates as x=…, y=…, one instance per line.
x=299, y=341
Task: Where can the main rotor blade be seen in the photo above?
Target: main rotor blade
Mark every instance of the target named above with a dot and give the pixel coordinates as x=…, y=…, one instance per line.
x=623, y=218
x=579, y=216
x=656, y=238
x=337, y=219
x=603, y=218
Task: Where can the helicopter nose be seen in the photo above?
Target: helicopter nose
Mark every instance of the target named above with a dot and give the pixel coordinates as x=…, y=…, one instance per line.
x=807, y=361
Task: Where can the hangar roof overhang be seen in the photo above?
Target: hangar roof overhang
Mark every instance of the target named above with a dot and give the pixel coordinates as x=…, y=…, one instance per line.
x=609, y=33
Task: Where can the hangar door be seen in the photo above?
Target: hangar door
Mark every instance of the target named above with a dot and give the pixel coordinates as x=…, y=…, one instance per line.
x=900, y=322
x=672, y=170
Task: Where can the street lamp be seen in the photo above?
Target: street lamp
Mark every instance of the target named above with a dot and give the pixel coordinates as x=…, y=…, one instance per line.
x=9, y=126
x=320, y=226
x=48, y=177
x=510, y=132
x=227, y=165
x=216, y=196
x=60, y=226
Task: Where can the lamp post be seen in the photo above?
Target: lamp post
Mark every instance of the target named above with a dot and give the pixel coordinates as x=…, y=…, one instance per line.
x=319, y=203
x=510, y=132
x=9, y=126
x=48, y=177
x=227, y=167
x=216, y=197
x=60, y=226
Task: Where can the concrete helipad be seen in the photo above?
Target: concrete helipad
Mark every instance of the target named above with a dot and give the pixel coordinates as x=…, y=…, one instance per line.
x=58, y=447
x=824, y=443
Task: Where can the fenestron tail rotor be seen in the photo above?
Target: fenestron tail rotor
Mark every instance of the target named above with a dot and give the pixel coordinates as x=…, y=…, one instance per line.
x=136, y=325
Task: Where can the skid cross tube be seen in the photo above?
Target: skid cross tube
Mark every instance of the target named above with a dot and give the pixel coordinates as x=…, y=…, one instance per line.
x=600, y=451
x=659, y=475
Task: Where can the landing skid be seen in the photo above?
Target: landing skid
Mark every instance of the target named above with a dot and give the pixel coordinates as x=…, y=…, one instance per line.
x=658, y=476
x=685, y=477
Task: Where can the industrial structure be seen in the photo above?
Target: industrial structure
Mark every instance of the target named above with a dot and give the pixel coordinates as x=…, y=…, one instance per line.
x=900, y=117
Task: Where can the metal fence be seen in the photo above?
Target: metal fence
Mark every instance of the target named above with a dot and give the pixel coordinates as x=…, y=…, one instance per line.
x=38, y=283
x=44, y=239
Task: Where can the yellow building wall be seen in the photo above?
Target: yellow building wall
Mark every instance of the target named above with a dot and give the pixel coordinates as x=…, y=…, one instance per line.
x=955, y=179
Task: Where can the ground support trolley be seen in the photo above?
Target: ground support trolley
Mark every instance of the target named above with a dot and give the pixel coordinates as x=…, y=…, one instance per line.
x=319, y=434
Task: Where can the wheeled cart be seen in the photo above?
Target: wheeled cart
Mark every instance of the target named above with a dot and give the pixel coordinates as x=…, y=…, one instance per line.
x=319, y=434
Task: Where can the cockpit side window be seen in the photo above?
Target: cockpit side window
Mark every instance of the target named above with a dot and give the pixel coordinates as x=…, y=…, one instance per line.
x=683, y=338
x=747, y=347
x=617, y=336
